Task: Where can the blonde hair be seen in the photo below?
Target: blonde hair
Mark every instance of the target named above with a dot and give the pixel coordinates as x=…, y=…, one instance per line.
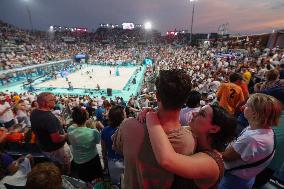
x=267, y=107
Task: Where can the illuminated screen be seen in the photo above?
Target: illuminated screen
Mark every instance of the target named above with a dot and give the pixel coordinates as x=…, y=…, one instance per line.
x=79, y=56
x=148, y=61
x=128, y=26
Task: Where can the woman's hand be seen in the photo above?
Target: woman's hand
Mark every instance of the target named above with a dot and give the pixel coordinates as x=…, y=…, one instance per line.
x=152, y=119
x=142, y=115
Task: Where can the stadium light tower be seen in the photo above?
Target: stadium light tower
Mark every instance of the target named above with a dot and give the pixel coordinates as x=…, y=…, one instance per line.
x=192, y=17
x=29, y=13
x=148, y=26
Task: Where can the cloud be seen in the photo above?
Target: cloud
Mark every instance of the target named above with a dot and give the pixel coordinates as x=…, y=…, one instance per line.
x=252, y=15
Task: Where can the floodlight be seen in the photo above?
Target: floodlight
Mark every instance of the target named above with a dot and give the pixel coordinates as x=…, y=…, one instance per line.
x=148, y=26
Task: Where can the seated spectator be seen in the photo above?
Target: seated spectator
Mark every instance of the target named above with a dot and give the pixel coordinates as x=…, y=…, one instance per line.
x=83, y=142
x=281, y=71
x=3, y=135
x=113, y=162
x=193, y=106
x=253, y=150
x=14, y=173
x=44, y=176
x=15, y=134
x=272, y=80
x=213, y=128
x=47, y=176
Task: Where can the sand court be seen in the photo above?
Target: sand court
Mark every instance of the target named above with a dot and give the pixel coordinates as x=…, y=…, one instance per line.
x=91, y=76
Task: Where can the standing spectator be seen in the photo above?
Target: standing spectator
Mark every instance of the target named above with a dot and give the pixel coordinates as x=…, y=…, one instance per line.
x=34, y=105
x=49, y=132
x=253, y=150
x=277, y=161
x=247, y=76
x=22, y=114
x=130, y=110
x=132, y=139
x=272, y=81
x=107, y=106
x=90, y=108
x=100, y=111
x=6, y=114
x=213, y=128
x=112, y=161
x=193, y=106
x=83, y=142
x=244, y=86
x=230, y=95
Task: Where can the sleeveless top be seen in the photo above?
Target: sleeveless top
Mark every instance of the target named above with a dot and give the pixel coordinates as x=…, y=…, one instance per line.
x=183, y=183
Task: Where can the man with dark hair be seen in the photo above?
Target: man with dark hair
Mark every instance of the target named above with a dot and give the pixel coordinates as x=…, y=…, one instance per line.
x=49, y=132
x=132, y=139
x=230, y=95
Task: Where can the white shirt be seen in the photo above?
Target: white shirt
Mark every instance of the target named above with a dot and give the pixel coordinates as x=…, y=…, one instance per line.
x=252, y=145
x=186, y=114
x=8, y=115
x=214, y=85
x=20, y=177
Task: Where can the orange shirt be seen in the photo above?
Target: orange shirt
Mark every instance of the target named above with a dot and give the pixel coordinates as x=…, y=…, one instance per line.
x=230, y=95
x=15, y=137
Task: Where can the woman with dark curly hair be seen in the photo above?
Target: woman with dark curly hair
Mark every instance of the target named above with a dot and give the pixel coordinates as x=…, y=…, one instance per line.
x=213, y=128
x=112, y=161
x=83, y=142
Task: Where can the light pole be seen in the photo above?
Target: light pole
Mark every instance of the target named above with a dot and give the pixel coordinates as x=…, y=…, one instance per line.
x=192, y=16
x=29, y=14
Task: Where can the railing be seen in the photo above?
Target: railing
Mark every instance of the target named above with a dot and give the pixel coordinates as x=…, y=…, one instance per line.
x=3, y=72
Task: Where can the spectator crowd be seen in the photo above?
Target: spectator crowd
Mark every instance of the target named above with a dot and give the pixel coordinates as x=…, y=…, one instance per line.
x=206, y=117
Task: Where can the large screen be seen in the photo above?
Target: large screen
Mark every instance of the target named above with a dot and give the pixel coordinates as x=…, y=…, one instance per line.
x=128, y=26
x=148, y=61
x=80, y=56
